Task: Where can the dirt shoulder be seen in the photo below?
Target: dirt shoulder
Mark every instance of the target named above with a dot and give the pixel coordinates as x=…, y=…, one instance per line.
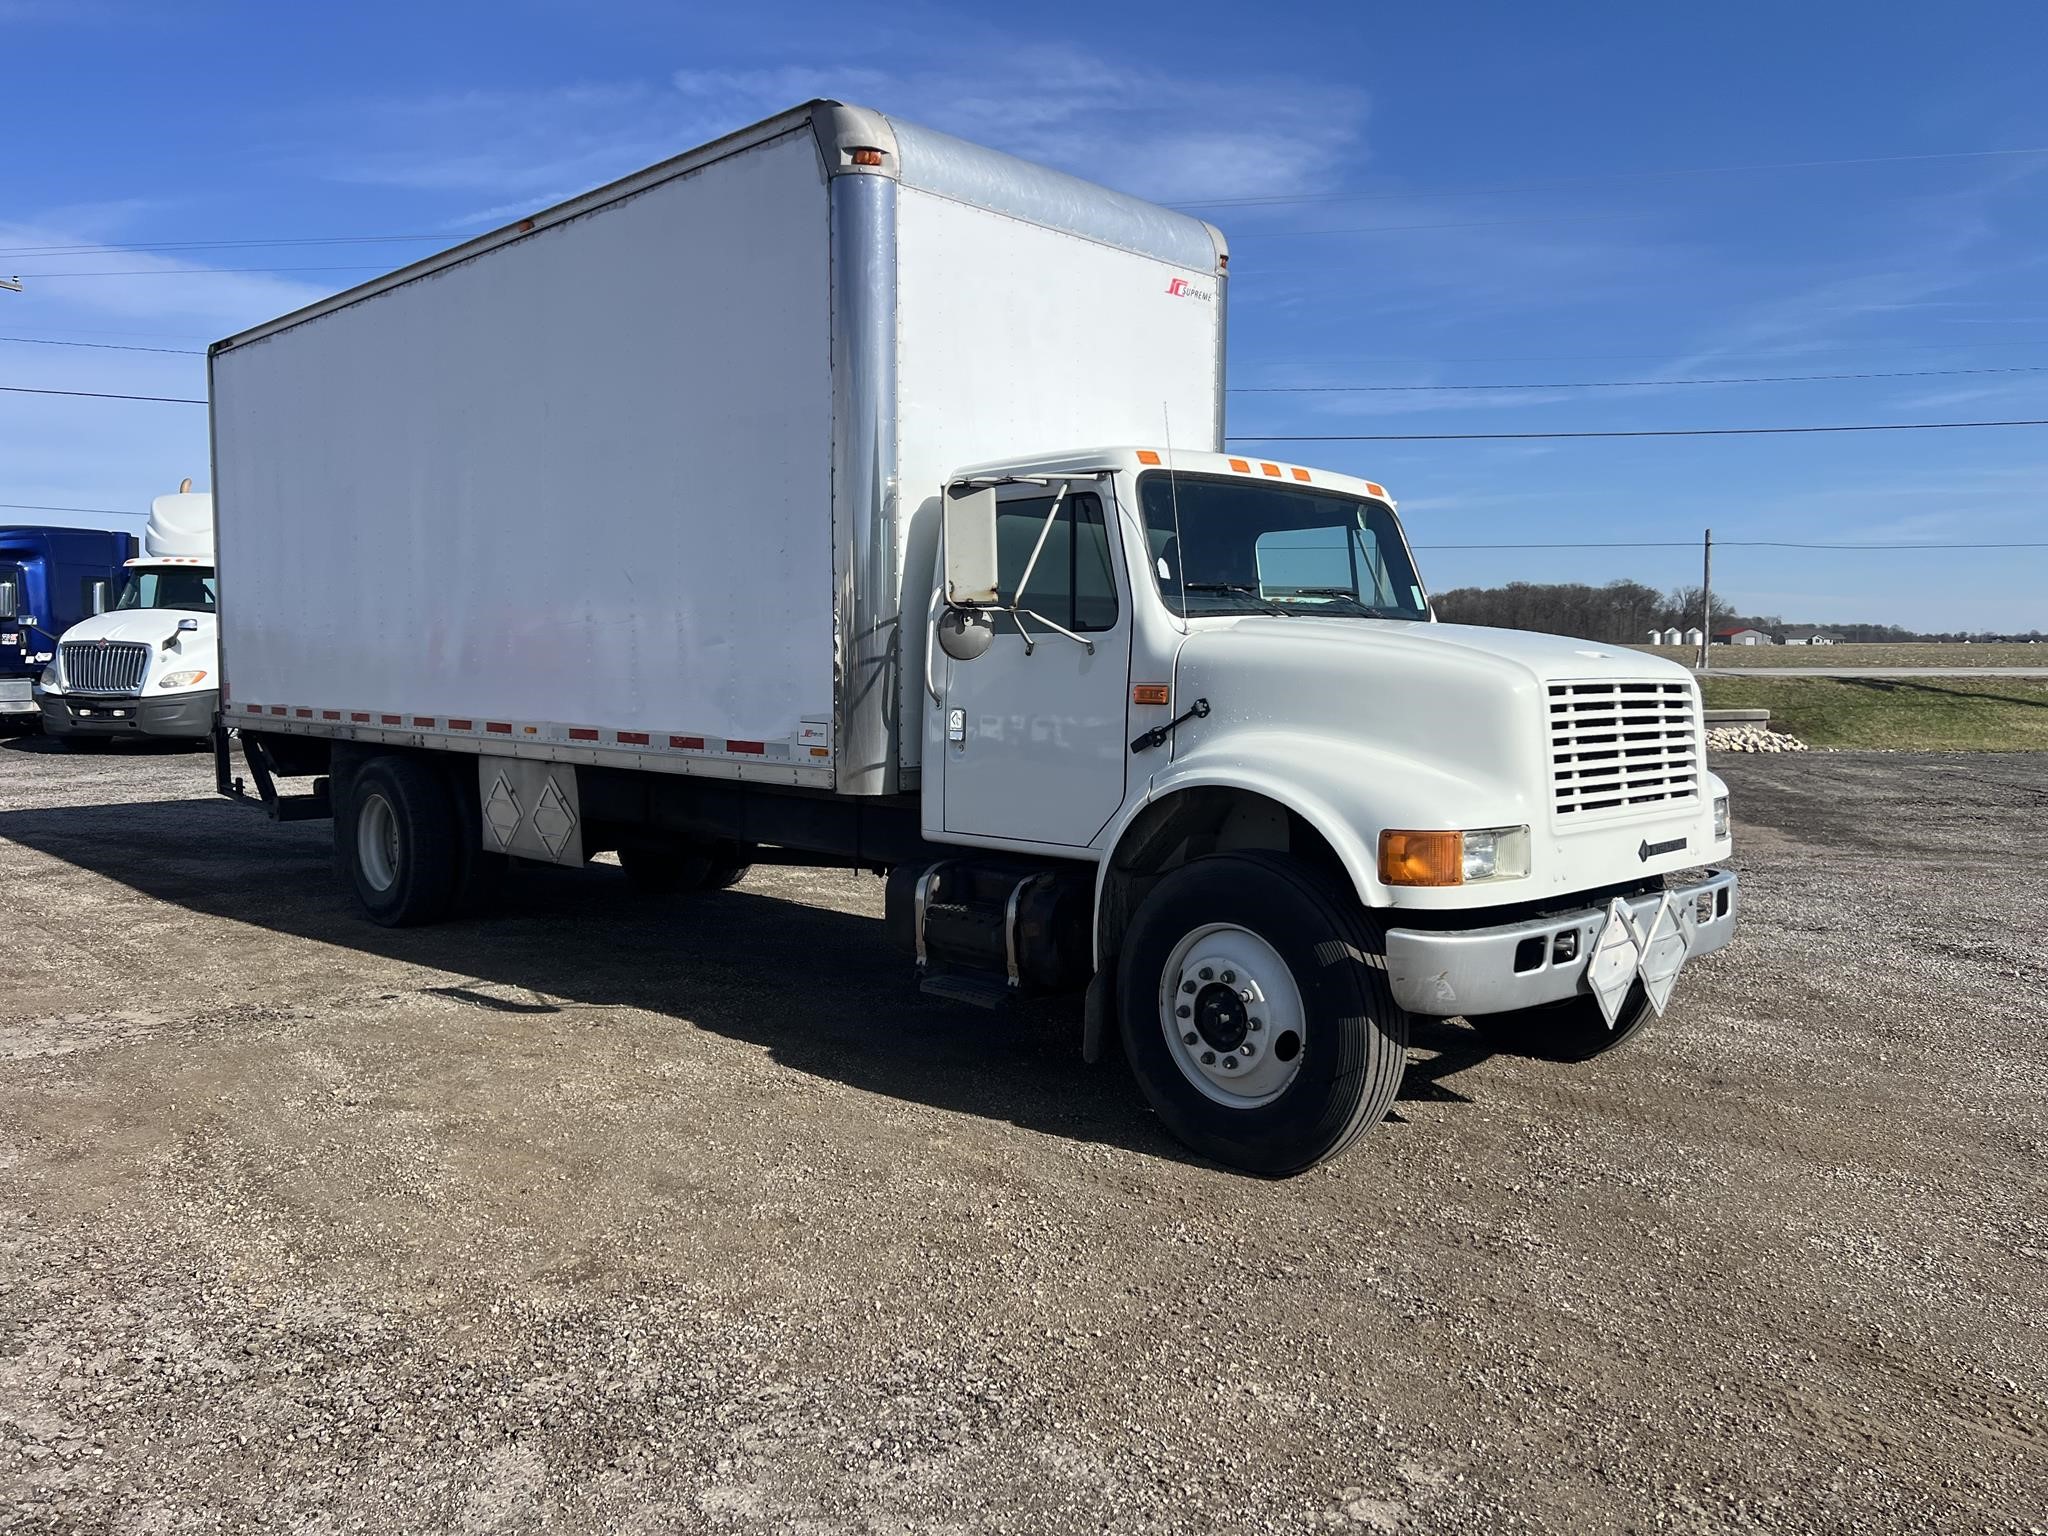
x=608, y=1216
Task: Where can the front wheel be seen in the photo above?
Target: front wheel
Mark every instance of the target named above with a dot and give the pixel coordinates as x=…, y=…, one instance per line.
x=1573, y=1030
x=1256, y=1012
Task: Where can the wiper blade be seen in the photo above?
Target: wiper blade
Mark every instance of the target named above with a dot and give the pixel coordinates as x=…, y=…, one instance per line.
x=1346, y=594
x=1238, y=589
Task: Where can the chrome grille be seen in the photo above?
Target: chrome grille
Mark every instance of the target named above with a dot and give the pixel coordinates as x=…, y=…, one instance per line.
x=1621, y=746
x=90, y=667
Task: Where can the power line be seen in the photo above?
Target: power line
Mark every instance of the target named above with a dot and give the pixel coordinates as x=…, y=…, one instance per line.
x=110, y=247
x=194, y=271
x=1483, y=437
x=1734, y=544
x=29, y=506
x=103, y=346
x=1636, y=357
x=1572, y=181
x=95, y=394
x=1782, y=378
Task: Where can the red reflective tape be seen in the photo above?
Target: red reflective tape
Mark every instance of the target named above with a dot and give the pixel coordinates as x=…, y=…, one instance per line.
x=499, y=726
x=687, y=743
x=427, y=720
x=393, y=719
x=581, y=733
x=359, y=716
x=277, y=709
x=330, y=714
x=746, y=746
x=632, y=738
x=461, y=725
x=303, y=714
x=252, y=709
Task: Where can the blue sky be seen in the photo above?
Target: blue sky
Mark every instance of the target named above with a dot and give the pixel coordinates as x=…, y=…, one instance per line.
x=1498, y=195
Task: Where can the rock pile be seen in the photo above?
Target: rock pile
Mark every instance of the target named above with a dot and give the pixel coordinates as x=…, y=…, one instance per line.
x=1751, y=738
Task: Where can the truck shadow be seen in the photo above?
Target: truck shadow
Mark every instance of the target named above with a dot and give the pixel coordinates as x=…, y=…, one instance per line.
x=815, y=987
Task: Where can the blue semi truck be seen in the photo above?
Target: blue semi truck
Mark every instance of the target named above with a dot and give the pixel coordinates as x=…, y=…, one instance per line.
x=50, y=579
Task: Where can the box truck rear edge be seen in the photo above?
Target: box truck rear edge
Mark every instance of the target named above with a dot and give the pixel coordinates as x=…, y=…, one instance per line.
x=747, y=509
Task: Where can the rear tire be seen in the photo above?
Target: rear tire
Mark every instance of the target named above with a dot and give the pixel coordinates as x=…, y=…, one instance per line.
x=397, y=837
x=1572, y=1030
x=1306, y=992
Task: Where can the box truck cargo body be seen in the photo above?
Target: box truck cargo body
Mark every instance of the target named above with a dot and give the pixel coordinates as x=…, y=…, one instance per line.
x=746, y=509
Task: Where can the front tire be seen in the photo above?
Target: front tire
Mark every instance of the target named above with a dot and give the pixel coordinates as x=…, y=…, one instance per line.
x=1573, y=1030
x=398, y=842
x=1298, y=1045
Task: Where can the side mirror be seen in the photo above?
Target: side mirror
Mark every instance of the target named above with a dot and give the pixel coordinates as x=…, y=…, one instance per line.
x=188, y=626
x=99, y=597
x=970, y=545
x=10, y=600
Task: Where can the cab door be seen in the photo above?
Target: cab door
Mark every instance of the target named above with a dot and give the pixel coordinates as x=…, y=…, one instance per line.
x=1035, y=729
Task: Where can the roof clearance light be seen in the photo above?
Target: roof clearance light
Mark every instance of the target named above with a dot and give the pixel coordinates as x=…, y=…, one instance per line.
x=1271, y=469
x=865, y=156
x=1240, y=466
x=1147, y=456
x=1299, y=474
x=1376, y=490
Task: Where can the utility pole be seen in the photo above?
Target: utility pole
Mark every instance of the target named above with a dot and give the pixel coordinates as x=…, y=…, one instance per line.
x=1706, y=599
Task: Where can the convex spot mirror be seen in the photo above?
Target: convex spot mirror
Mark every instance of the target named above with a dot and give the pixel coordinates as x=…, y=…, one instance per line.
x=965, y=633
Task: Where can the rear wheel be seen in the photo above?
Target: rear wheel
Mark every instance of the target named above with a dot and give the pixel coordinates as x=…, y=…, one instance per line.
x=1256, y=1013
x=1573, y=1030
x=398, y=841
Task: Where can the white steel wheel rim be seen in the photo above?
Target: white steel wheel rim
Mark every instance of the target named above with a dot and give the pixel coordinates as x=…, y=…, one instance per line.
x=1250, y=1031
x=377, y=841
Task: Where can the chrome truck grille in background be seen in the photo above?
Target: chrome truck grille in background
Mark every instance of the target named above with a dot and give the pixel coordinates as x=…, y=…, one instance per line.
x=90, y=667
x=1620, y=746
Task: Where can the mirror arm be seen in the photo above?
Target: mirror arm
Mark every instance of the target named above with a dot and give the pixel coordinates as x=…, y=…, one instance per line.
x=1018, y=614
x=1044, y=532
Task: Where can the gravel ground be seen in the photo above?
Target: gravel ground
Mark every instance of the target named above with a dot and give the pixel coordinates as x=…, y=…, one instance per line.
x=604, y=1216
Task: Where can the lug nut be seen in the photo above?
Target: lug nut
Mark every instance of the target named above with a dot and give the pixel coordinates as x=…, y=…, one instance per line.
x=1247, y=1049
x=1208, y=1058
x=1184, y=1011
x=1187, y=986
x=1189, y=1038
x=1230, y=1063
x=1206, y=974
x=1245, y=995
x=1229, y=977
x=1258, y=1023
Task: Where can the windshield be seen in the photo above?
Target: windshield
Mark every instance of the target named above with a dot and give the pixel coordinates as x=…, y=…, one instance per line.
x=187, y=587
x=1237, y=546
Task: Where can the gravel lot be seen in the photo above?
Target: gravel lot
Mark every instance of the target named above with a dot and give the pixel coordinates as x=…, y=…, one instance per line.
x=606, y=1216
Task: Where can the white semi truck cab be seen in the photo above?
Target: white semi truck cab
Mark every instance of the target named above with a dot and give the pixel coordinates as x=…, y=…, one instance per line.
x=739, y=529
x=147, y=665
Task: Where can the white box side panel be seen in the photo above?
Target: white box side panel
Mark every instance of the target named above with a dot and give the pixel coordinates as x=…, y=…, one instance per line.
x=1018, y=340
x=584, y=478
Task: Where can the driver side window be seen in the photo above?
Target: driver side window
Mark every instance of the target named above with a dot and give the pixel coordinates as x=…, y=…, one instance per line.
x=1073, y=583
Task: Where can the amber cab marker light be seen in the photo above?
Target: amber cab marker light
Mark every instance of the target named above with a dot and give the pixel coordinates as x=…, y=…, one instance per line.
x=1422, y=858
x=1147, y=456
x=866, y=157
x=1241, y=466
x=1150, y=693
x=1376, y=490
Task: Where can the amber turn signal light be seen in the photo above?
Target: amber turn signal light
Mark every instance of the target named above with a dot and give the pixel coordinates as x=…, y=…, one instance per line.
x=1151, y=693
x=1422, y=858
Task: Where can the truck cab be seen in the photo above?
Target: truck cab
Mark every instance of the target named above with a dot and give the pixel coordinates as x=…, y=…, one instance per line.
x=1216, y=684
x=50, y=578
x=147, y=664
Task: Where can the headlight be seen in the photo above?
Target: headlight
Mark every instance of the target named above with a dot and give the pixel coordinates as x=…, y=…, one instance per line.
x=180, y=679
x=1454, y=858
x=1720, y=818
x=49, y=679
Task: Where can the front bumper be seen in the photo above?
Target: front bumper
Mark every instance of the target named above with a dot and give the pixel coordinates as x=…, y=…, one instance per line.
x=17, y=696
x=1476, y=971
x=186, y=714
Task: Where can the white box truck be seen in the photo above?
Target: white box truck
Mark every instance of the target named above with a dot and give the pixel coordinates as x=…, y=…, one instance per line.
x=750, y=508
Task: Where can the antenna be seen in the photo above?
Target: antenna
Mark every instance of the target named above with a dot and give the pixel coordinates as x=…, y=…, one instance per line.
x=1180, y=550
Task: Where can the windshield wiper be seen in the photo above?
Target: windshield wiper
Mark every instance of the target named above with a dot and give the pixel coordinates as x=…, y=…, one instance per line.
x=1349, y=596
x=1238, y=589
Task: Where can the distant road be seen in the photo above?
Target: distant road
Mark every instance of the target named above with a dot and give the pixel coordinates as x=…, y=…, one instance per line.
x=1876, y=672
